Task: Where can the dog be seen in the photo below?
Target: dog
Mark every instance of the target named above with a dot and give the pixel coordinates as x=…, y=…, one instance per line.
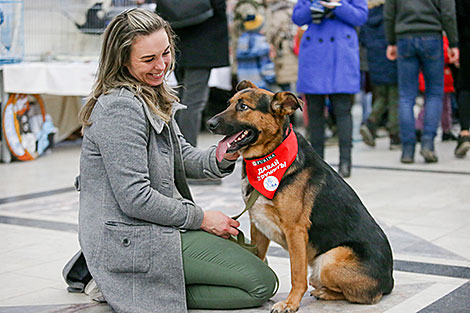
x=314, y=214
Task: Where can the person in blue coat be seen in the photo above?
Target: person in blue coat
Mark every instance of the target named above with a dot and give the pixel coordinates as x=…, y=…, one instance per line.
x=383, y=76
x=329, y=66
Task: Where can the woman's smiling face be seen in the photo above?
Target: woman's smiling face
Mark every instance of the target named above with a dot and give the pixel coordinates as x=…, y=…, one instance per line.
x=150, y=58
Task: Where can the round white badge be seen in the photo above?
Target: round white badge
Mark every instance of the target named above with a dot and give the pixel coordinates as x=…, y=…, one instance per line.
x=270, y=183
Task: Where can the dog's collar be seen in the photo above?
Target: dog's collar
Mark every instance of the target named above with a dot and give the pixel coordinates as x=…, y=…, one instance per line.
x=265, y=173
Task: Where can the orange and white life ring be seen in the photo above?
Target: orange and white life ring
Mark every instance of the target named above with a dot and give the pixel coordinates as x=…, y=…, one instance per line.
x=16, y=106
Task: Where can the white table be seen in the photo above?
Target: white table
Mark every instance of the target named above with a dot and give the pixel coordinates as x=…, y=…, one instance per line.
x=46, y=78
x=67, y=79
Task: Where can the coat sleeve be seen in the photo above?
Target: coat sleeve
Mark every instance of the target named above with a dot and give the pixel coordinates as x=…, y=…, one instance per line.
x=121, y=135
x=449, y=22
x=302, y=14
x=202, y=163
x=389, y=21
x=353, y=12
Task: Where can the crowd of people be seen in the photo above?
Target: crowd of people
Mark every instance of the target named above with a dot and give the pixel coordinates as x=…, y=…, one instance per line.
x=409, y=50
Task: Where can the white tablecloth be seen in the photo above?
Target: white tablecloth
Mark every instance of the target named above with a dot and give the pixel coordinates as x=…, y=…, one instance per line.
x=53, y=78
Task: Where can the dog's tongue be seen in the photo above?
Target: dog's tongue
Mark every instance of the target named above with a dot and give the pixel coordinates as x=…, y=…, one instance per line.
x=223, y=145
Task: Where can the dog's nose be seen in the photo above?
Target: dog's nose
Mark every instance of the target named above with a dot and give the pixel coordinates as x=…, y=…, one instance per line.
x=212, y=124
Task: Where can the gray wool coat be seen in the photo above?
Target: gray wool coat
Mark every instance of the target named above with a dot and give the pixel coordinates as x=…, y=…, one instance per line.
x=129, y=218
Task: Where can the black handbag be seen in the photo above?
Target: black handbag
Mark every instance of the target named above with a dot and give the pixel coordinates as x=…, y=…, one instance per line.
x=184, y=13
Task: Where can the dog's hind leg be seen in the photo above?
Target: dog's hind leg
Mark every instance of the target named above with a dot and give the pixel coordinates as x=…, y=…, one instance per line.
x=340, y=272
x=260, y=240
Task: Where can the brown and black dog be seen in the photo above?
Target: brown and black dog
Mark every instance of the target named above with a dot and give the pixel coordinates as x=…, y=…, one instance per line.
x=314, y=214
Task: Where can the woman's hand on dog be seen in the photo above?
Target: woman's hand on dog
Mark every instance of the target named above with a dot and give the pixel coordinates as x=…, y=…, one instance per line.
x=231, y=156
x=217, y=223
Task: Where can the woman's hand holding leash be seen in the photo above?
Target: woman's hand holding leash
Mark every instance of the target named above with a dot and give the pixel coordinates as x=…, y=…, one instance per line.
x=217, y=223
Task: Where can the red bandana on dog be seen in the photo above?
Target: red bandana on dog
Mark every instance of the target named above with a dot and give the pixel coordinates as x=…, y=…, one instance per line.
x=265, y=173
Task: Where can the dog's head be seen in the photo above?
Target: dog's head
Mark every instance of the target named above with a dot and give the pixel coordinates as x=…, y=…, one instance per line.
x=253, y=121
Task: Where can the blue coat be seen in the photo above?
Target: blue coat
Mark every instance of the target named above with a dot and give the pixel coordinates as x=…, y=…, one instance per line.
x=372, y=36
x=329, y=51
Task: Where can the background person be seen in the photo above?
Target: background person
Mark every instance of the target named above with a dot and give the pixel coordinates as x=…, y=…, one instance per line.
x=329, y=66
x=414, y=33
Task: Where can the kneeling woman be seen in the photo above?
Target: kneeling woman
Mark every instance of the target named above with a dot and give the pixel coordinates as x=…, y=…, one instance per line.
x=148, y=246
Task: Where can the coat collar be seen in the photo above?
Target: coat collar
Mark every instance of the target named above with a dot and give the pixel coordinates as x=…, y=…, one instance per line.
x=156, y=122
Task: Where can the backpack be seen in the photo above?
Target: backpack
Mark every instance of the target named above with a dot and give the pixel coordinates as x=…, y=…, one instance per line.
x=185, y=13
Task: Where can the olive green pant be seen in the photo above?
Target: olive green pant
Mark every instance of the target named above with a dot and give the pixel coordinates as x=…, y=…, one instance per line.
x=386, y=99
x=220, y=274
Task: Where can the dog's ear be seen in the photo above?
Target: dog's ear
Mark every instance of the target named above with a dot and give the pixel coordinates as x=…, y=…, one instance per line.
x=245, y=84
x=285, y=103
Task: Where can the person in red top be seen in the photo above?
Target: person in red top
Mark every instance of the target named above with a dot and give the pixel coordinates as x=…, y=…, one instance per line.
x=446, y=116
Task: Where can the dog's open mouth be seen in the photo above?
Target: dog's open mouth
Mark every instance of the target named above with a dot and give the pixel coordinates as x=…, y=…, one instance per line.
x=234, y=143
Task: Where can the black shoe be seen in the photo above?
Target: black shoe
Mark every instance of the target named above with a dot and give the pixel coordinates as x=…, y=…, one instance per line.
x=367, y=131
x=344, y=169
x=448, y=136
x=395, y=142
x=419, y=133
x=407, y=154
x=463, y=145
x=204, y=182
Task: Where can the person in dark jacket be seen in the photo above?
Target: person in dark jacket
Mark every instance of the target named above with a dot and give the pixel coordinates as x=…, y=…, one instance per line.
x=329, y=66
x=414, y=33
x=383, y=75
x=463, y=81
x=200, y=47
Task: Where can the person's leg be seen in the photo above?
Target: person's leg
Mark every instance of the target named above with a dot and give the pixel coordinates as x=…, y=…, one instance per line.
x=464, y=110
x=432, y=57
x=316, y=122
x=220, y=274
x=194, y=95
x=408, y=72
x=446, y=117
x=392, y=107
x=463, y=142
x=419, y=123
x=368, y=129
x=379, y=107
x=342, y=107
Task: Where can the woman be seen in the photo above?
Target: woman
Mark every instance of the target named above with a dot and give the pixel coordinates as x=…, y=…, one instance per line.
x=329, y=66
x=134, y=200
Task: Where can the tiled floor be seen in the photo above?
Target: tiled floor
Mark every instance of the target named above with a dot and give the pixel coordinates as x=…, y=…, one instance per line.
x=423, y=208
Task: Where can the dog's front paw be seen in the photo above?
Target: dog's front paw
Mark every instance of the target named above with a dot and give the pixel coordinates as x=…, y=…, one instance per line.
x=283, y=307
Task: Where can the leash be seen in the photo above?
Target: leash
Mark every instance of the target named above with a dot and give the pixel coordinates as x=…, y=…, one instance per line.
x=240, y=238
x=249, y=203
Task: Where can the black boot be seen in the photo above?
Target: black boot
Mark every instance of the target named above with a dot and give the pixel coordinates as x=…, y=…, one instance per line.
x=344, y=169
x=344, y=162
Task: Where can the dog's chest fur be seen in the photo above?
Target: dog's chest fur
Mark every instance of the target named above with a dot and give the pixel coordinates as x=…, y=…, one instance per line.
x=264, y=219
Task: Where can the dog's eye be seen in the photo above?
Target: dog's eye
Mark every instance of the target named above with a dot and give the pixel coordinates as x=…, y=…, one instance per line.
x=242, y=107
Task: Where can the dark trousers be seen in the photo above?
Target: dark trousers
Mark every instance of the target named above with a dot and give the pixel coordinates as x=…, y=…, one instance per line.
x=194, y=94
x=464, y=109
x=341, y=104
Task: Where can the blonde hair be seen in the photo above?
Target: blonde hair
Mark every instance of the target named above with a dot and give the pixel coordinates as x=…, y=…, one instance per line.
x=112, y=72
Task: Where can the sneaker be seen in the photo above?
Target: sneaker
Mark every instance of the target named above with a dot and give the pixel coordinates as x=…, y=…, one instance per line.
x=427, y=150
x=407, y=154
x=368, y=133
x=92, y=290
x=395, y=142
x=463, y=145
x=429, y=155
x=448, y=136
